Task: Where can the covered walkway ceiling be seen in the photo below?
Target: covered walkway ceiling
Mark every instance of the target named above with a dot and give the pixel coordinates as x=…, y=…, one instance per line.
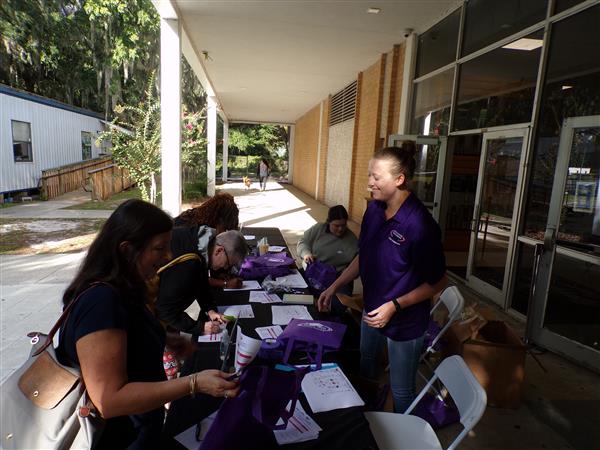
x=271, y=61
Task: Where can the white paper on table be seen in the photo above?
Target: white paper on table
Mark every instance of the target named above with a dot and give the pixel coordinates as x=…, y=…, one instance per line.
x=247, y=285
x=212, y=337
x=283, y=314
x=246, y=349
x=301, y=427
x=187, y=438
x=293, y=280
x=270, y=332
x=264, y=297
x=329, y=389
x=276, y=248
x=243, y=311
x=249, y=237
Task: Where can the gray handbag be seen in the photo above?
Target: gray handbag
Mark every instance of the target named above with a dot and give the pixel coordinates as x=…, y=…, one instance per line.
x=45, y=404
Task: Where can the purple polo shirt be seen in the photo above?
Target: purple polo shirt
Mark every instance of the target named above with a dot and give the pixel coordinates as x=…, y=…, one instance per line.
x=395, y=257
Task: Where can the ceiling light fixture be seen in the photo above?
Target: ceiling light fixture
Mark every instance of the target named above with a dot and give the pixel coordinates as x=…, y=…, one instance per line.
x=373, y=10
x=526, y=44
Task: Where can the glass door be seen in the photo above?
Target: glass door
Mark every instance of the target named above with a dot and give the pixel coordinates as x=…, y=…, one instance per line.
x=566, y=299
x=494, y=217
x=431, y=161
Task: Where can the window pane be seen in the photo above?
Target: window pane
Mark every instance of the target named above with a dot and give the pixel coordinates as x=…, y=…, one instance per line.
x=431, y=105
x=573, y=305
x=562, y=5
x=580, y=214
x=437, y=46
x=465, y=151
x=572, y=90
x=86, y=145
x=424, y=179
x=495, y=216
x=489, y=21
x=498, y=87
x=525, y=260
x=21, y=131
x=22, y=151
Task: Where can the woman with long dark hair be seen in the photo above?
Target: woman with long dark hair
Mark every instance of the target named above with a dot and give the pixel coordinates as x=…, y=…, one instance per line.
x=115, y=339
x=401, y=265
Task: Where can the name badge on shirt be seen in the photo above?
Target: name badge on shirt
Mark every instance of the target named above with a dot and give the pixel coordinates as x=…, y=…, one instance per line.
x=396, y=238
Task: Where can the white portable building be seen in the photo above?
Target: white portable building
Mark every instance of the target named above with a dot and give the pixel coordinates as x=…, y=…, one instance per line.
x=38, y=133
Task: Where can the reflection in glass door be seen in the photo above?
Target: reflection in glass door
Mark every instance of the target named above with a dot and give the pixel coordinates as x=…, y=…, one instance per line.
x=566, y=315
x=430, y=160
x=494, y=217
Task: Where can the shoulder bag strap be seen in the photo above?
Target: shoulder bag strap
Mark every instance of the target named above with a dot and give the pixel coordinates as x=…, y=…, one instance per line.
x=63, y=317
x=179, y=259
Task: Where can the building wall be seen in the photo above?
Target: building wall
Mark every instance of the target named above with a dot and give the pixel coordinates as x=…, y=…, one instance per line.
x=346, y=148
x=339, y=164
x=397, y=70
x=55, y=138
x=324, y=150
x=306, y=142
x=366, y=135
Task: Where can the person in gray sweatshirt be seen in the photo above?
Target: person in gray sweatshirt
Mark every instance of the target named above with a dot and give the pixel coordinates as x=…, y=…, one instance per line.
x=330, y=243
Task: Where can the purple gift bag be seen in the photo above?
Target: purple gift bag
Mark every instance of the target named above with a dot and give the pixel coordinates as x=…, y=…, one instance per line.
x=248, y=420
x=433, y=329
x=312, y=336
x=436, y=411
x=274, y=264
x=320, y=275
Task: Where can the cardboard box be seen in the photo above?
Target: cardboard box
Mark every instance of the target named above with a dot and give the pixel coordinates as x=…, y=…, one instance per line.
x=495, y=355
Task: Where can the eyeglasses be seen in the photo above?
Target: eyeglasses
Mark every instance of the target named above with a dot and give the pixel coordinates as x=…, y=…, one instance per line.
x=227, y=257
x=233, y=268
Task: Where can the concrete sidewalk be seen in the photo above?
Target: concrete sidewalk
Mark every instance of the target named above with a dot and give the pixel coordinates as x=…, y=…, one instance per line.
x=53, y=209
x=560, y=408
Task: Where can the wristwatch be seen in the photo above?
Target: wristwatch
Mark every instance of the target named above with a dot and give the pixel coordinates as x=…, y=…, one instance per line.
x=397, y=305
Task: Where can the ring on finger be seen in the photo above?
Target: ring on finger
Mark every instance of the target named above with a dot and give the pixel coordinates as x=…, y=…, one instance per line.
x=226, y=395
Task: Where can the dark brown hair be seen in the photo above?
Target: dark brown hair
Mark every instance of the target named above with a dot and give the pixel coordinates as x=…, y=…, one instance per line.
x=337, y=212
x=402, y=158
x=136, y=222
x=219, y=211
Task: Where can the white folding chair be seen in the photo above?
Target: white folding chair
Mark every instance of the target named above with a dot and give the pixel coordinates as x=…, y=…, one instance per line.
x=403, y=431
x=454, y=302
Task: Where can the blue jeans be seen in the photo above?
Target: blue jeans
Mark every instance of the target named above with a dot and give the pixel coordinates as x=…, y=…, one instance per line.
x=404, y=361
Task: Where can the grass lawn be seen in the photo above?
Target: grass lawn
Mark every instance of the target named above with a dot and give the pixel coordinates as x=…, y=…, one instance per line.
x=8, y=205
x=30, y=236
x=111, y=203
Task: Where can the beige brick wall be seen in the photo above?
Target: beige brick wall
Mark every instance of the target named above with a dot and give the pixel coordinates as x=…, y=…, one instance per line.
x=324, y=150
x=366, y=133
x=395, y=88
x=305, y=150
x=370, y=133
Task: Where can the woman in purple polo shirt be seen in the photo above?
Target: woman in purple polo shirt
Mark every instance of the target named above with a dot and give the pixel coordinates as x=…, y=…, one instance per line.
x=401, y=264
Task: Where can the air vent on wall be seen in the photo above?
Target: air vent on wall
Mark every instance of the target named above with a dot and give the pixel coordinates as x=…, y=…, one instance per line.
x=343, y=105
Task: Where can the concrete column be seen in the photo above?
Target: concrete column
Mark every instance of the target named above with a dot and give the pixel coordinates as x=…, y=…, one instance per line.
x=211, y=153
x=225, y=149
x=291, y=154
x=170, y=114
x=410, y=53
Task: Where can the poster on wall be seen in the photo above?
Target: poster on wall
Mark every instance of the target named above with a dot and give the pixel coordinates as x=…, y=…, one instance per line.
x=585, y=196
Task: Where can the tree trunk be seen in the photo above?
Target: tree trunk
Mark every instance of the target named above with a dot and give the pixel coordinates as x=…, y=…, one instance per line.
x=152, y=188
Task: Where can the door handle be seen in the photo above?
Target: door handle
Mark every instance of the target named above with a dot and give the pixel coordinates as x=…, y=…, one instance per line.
x=549, y=238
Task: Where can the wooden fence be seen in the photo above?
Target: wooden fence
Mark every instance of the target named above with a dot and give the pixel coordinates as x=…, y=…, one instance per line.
x=60, y=180
x=109, y=180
